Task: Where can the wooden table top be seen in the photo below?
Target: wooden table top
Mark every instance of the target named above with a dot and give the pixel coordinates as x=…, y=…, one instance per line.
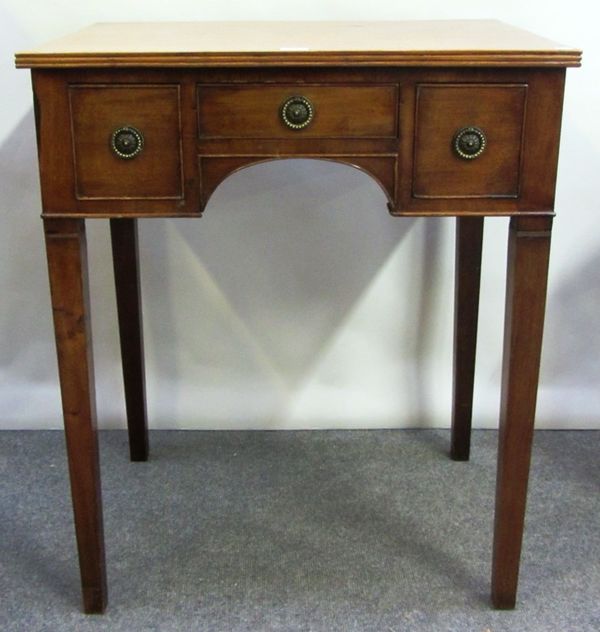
x=410, y=43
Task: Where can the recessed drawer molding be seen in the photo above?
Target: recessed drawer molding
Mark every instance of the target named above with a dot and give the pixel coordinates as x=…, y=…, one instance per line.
x=336, y=111
x=468, y=140
x=104, y=119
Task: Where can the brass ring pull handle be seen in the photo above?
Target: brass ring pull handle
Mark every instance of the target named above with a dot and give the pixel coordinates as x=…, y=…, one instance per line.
x=469, y=142
x=127, y=142
x=297, y=112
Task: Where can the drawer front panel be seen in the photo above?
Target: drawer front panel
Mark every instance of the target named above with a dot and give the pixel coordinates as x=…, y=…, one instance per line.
x=339, y=111
x=496, y=110
x=97, y=111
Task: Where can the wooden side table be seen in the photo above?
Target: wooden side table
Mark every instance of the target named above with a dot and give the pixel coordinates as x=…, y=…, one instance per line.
x=450, y=118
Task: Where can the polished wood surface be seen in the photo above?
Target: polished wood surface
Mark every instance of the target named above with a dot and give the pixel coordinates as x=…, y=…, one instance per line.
x=80, y=176
x=467, y=275
x=442, y=109
x=67, y=267
x=412, y=159
x=340, y=111
x=126, y=266
x=96, y=112
x=389, y=99
x=527, y=278
x=410, y=43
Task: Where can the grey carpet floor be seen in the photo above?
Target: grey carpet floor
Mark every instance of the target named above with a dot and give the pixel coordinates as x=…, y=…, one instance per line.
x=312, y=531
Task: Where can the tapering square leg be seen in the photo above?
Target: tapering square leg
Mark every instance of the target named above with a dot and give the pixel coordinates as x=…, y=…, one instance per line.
x=67, y=267
x=528, y=254
x=469, y=237
x=129, y=308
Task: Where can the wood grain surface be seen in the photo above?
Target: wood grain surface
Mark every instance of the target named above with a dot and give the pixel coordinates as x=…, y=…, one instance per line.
x=416, y=43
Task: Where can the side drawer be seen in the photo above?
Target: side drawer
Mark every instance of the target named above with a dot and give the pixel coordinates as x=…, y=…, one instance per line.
x=442, y=111
x=339, y=111
x=97, y=112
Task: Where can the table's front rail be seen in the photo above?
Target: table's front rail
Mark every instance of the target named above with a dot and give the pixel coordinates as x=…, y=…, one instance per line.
x=153, y=142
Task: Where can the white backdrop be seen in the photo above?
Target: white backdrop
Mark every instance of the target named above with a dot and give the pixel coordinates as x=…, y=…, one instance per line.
x=296, y=301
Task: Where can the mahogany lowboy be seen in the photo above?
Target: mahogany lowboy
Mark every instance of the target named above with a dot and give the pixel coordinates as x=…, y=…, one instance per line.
x=146, y=120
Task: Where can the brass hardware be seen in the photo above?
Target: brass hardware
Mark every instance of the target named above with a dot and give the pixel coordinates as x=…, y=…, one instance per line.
x=127, y=142
x=469, y=142
x=297, y=112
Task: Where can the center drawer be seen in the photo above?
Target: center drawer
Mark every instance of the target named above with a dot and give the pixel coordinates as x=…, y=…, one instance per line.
x=297, y=110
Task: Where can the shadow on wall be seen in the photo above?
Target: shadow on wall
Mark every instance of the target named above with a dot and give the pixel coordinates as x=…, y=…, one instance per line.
x=283, y=252
x=268, y=278
x=572, y=336
x=570, y=371
x=25, y=317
